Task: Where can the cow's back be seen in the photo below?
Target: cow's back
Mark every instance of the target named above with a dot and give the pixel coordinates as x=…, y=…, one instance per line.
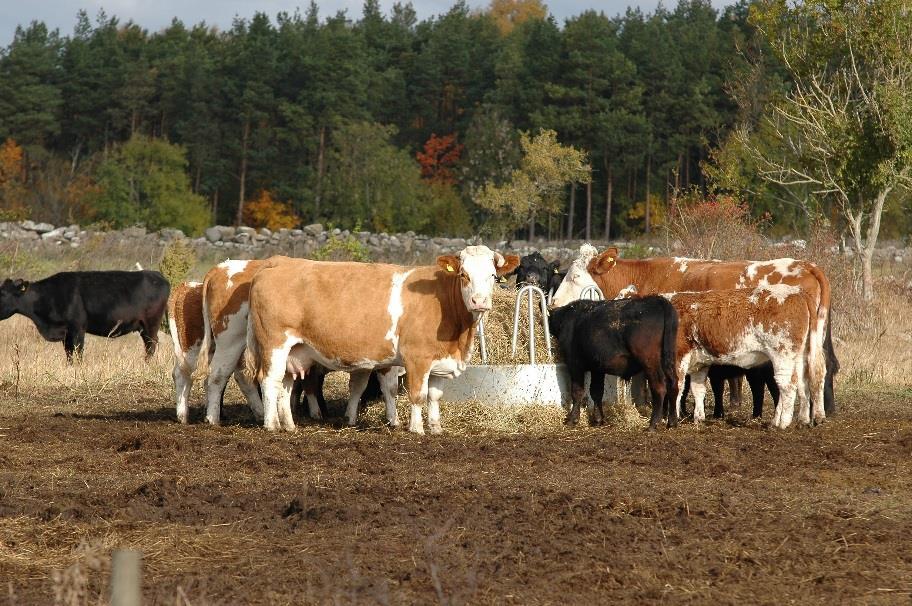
x=185, y=315
x=341, y=309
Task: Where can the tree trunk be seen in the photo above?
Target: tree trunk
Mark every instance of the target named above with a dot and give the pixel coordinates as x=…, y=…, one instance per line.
x=678, y=171
x=215, y=198
x=589, y=210
x=242, y=191
x=572, y=211
x=646, y=208
x=609, y=180
x=532, y=228
x=319, y=189
x=865, y=248
x=197, y=179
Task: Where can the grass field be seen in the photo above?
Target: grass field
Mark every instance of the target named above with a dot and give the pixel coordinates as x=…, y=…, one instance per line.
x=507, y=507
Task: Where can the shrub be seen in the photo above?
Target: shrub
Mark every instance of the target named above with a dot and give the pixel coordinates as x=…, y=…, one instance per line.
x=714, y=227
x=342, y=248
x=177, y=260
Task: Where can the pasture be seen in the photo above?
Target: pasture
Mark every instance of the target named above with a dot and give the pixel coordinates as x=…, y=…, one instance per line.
x=507, y=507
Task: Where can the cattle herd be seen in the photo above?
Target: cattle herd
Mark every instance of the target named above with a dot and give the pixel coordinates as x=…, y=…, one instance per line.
x=278, y=325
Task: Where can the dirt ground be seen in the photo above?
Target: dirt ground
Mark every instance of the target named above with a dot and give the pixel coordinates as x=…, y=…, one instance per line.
x=731, y=513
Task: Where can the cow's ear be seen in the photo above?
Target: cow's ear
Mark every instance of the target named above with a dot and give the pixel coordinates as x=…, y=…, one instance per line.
x=449, y=263
x=604, y=262
x=508, y=264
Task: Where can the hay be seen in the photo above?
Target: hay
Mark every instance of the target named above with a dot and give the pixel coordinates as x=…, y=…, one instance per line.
x=498, y=326
x=624, y=416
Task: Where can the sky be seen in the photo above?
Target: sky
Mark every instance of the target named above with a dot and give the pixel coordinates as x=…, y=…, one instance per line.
x=155, y=15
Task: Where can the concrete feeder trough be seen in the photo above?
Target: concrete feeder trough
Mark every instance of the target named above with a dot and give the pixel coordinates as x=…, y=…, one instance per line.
x=520, y=384
x=517, y=384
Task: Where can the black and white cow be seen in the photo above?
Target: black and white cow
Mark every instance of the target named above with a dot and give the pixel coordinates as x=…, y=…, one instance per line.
x=66, y=306
x=622, y=338
x=535, y=270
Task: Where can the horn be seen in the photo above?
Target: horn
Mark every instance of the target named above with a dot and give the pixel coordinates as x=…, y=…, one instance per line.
x=498, y=259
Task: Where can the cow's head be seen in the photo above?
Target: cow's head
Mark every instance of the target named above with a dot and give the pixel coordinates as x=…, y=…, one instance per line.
x=577, y=278
x=478, y=267
x=534, y=270
x=11, y=292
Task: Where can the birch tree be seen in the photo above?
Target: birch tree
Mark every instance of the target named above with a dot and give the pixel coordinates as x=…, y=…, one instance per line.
x=844, y=130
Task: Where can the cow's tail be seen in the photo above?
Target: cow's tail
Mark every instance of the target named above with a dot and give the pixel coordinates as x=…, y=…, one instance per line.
x=179, y=348
x=202, y=362
x=253, y=370
x=670, y=342
x=822, y=344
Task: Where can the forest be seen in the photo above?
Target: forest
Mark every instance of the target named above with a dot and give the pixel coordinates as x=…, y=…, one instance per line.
x=390, y=123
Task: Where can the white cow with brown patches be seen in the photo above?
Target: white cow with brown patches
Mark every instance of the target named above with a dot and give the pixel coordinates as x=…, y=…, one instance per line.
x=185, y=323
x=678, y=274
x=746, y=328
x=358, y=317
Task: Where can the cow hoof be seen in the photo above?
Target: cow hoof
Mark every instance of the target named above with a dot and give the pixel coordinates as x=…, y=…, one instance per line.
x=419, y=429
x=272, y=426
x=436, y=429
x=651, y=429
x=213, y=422
x=570, y=422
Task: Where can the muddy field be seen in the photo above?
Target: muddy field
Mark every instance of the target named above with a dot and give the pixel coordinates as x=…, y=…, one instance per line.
x=528, y=512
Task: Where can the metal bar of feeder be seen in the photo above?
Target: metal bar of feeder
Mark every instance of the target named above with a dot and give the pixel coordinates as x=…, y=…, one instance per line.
x=593, y=293
x=530, y=292
x=544, y=310
x=531, y=310
x=481, y=341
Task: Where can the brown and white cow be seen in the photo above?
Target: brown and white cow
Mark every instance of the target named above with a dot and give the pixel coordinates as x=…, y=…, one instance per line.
x=660, y=275
x=225, y=305
x=746, y=328
x=358, y=317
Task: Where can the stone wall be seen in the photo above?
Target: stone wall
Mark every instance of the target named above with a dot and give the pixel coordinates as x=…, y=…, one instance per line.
x=247, y=242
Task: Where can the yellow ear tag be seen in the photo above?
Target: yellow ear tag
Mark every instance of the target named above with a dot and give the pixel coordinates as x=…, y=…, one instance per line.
x=450, y=267
x=556, y=271
x=610, y=259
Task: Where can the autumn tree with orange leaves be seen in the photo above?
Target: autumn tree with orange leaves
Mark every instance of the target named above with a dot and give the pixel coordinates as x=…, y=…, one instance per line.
x=510, y=13
x=266, y=211
x=439, y=158
x=12, y=181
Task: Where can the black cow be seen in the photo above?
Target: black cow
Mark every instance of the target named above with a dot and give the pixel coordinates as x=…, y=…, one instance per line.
x=66, y=306
x=757, y=377
x=533, y=269
x=622, y=338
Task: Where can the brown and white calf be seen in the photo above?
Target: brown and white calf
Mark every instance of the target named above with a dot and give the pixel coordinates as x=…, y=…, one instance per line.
x=677, y=274
x=358, y=317
x=746, y=328
x=187, y=326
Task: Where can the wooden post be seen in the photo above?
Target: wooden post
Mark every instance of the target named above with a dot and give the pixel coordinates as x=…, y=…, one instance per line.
x=126, y=578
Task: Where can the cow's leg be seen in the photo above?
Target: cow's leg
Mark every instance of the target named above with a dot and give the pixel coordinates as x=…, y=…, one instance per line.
x=389, y=386
x=670, y=403
x=273, y=387
x=735, y=391
x=717, y=384
x=150, y=340
x=577, y=395
x=657, y=389
x=787, y=380
x=597, y=393
x=416, y=379
x=312, y=388
x=698, y=387
x=251, y=393
x=183, y=383
x=435, y=391
x=73, y=344
x=357, y=382
x=756, y=379
x=286, y=418
x=803, y=394
x=296, y=392
x=222, y=364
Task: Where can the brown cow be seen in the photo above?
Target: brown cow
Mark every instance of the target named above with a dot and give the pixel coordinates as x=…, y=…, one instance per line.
x=358, y=317
x=746, y=328
x=677, y=274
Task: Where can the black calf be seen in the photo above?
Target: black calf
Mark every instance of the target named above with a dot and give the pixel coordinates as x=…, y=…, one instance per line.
x=621, y=338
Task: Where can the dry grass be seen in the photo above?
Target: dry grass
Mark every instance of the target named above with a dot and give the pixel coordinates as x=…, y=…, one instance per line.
x=499, y=331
